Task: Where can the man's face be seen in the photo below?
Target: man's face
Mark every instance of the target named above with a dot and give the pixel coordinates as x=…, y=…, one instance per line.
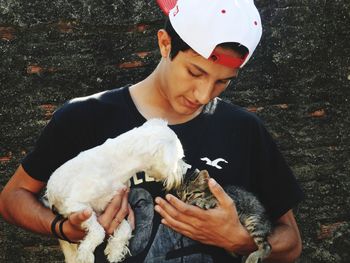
x=191, y=81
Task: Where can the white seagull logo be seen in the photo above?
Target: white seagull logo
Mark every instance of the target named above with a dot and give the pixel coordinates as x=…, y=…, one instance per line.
x=214, y=163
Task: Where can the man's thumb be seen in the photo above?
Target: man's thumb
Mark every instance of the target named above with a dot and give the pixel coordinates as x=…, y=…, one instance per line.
x=79, y=217
x=219, y=193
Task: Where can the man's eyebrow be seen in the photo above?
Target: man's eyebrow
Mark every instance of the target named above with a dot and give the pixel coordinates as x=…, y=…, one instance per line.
x=230, y=78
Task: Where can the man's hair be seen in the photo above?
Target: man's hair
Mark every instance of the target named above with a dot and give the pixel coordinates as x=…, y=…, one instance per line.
x=177, y=44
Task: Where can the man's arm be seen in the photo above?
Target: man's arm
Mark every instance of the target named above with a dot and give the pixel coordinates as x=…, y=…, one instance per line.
x=285, y=240
x=214, y=225
x=19, y=205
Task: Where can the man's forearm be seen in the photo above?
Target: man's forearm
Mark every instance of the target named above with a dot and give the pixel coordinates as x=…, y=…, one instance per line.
x=285, y=245
x=20, y=207
x=285, y=241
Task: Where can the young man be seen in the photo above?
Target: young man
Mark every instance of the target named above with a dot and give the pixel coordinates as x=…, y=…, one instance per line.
x=202, y=48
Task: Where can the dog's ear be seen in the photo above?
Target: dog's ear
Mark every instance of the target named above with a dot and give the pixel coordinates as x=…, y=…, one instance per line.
x=172, y=151
x=172, y=154
x=168, y=153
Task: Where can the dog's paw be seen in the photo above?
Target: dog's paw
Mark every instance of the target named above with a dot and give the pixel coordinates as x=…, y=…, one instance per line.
x=117, y=246
x=116, y=253
x=85, y=256
x=114, y=257
x=116, y=250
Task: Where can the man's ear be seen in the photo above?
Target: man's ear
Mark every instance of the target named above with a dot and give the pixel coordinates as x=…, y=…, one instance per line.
x=164, y=43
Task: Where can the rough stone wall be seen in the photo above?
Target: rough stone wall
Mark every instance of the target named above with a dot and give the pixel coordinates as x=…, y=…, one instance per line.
x=297, y=82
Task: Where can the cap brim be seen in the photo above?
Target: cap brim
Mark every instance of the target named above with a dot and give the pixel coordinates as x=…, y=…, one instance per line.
x=166, y=5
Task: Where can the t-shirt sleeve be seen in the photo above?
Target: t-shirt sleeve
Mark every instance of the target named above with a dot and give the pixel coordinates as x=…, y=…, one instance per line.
x=274, y=181
x=55, y=146
x=79, y=125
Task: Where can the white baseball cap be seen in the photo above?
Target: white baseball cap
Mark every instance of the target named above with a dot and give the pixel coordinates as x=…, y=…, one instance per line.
x=203, y=24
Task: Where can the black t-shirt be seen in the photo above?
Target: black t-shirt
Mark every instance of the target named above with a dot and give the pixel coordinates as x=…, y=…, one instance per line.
x=229, y=142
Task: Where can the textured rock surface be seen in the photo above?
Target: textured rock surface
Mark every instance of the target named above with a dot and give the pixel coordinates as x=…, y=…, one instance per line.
x=298, y=82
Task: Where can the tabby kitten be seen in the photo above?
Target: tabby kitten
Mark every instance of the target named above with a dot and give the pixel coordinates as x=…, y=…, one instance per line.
x=195, y=191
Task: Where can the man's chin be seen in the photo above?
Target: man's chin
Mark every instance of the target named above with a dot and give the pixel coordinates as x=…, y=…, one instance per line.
x=186, y=111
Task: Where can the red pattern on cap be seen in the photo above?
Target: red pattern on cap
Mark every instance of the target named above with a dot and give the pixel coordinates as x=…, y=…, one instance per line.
x=166, y=5
x=226, y=60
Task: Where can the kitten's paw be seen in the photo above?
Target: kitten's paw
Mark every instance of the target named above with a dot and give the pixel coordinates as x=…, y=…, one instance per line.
x=254, y=257
x=200, y=203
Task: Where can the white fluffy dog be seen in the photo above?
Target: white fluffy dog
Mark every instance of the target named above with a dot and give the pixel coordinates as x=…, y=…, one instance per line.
x=91, y=179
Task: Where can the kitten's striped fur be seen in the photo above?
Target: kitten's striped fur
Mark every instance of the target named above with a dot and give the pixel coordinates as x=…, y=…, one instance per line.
x=195, y=191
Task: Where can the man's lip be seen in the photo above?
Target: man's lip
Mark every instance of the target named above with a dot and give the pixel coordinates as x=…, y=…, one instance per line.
x=191, y=104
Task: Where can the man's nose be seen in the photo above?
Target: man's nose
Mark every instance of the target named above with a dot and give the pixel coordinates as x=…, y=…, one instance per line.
x=203, y=92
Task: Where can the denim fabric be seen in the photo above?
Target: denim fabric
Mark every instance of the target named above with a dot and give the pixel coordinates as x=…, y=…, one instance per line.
x=165, y=239
x=142, y=204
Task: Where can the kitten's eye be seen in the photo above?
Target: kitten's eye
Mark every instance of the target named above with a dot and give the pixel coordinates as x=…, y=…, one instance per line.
x=188, y=196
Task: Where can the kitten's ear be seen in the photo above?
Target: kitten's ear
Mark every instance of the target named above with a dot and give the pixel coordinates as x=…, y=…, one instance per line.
x=203, y=176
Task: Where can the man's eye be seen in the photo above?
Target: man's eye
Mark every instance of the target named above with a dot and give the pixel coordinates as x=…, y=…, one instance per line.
x=224, y=82
x=193, y=74
x=227, y=82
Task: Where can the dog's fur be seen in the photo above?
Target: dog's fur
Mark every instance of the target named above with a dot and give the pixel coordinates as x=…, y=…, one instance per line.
x=91, y=179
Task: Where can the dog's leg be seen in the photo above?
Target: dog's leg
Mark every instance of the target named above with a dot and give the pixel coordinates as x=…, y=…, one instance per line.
x=95, y=236
x=69, y=250
x=117, y=247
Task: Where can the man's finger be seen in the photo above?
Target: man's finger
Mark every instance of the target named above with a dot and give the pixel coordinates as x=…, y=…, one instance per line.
x=131, y=217
x=124, y=208
x=120, y=214
x=223, y=198
x=172, y=222
x=112, y=208
x=77, y=218
x=184, y=208
x=167, y=208
x=179, y=230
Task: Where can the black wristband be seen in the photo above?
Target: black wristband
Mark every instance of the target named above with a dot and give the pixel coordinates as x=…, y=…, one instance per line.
x=64, y=237
x=53, y=225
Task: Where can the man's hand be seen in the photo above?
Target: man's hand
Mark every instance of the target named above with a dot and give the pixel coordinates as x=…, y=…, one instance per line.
x=219, y=226
x=117, y=210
